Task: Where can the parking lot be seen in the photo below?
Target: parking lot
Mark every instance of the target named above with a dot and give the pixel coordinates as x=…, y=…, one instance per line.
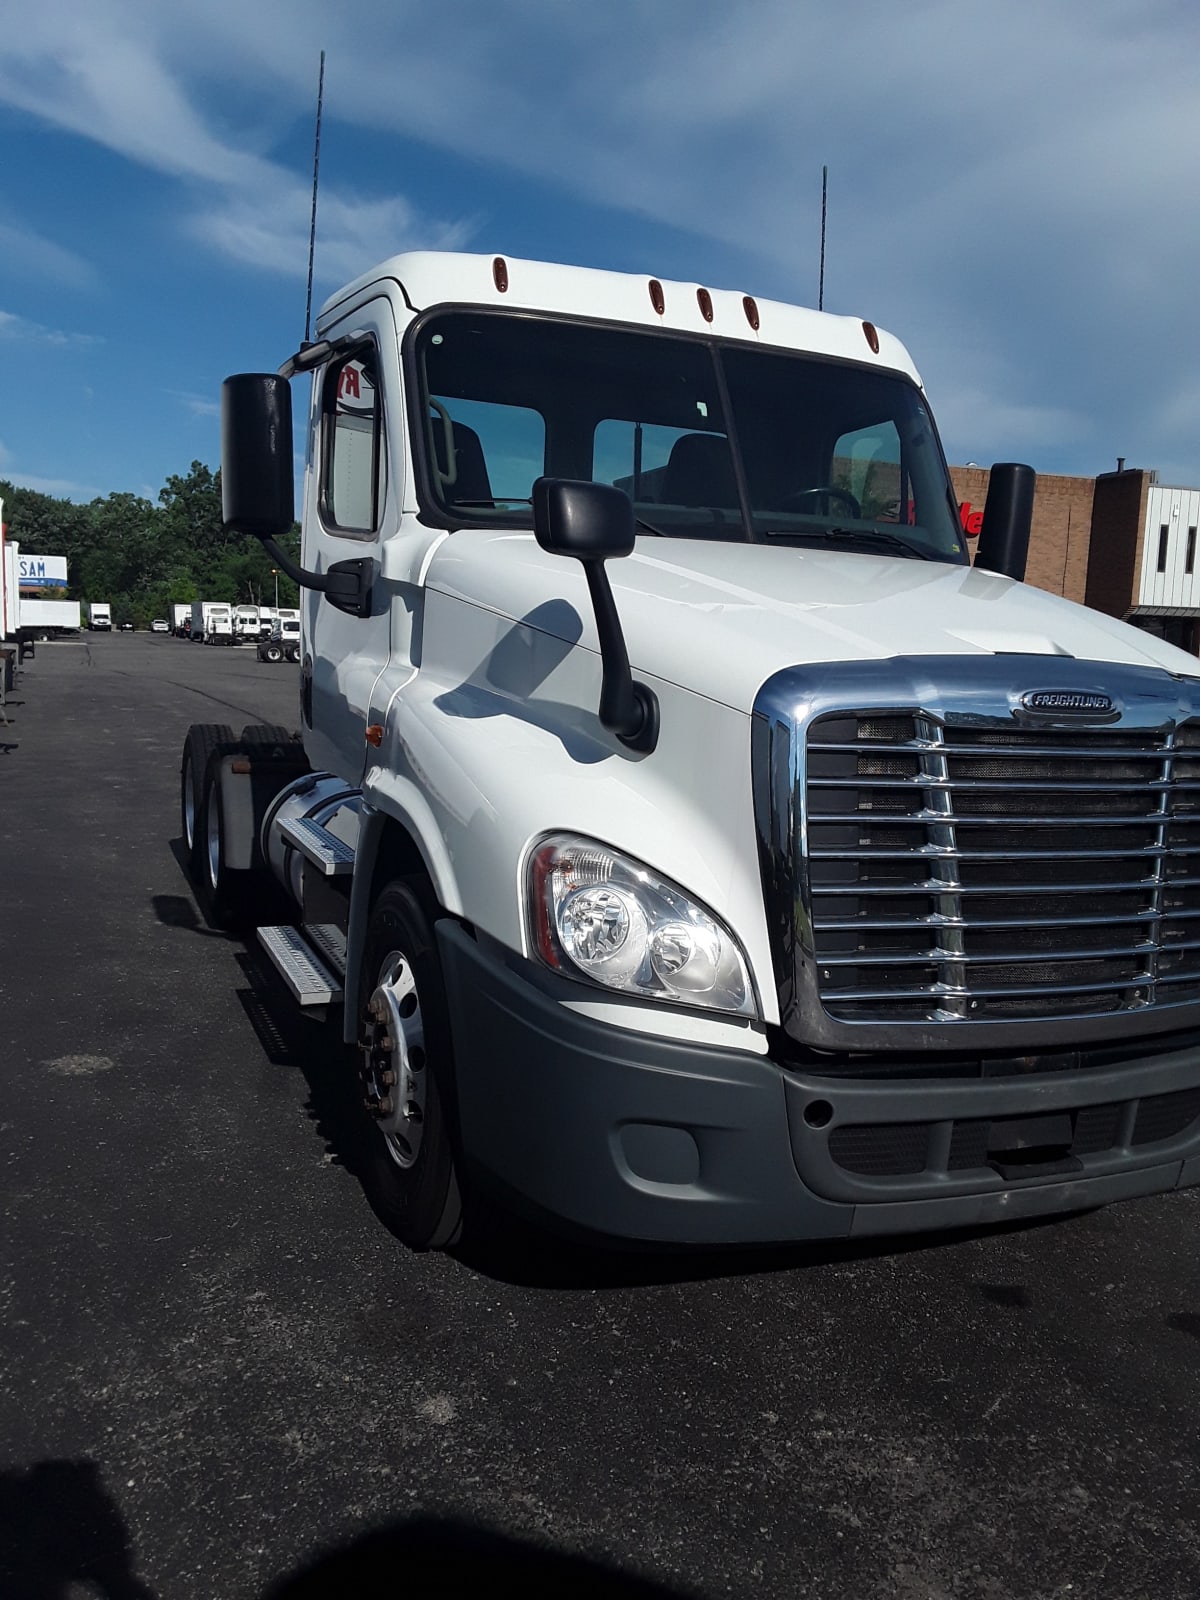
x=219, y=1366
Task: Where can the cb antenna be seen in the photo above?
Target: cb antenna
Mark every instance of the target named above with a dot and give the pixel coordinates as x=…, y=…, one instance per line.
x=824, y=198
x=312, y=228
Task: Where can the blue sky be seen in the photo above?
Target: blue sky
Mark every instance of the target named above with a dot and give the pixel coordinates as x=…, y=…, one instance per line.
x=1013, y=191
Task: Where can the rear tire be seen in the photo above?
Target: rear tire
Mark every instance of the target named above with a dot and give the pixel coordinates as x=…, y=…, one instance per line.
x=272, y=653
x=203, y=738
x=226, y=895
x=406, y=1066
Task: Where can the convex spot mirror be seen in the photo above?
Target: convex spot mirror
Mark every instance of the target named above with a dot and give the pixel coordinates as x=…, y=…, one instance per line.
x=590, y=521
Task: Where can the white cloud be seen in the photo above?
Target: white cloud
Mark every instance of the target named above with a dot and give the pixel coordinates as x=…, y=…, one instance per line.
x=272, y=231
x=199, y=405
x=22, y=329
x=29, y=254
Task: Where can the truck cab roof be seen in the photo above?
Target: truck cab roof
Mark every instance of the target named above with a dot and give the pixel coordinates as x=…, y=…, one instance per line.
x=428, y=278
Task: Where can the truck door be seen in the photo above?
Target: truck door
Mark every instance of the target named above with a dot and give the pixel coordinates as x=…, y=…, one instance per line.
x=352, y=503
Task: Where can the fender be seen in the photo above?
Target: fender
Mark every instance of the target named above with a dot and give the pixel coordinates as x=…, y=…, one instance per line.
x=389, y=799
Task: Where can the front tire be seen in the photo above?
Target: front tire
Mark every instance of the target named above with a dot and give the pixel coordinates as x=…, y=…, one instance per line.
x=407, y=1070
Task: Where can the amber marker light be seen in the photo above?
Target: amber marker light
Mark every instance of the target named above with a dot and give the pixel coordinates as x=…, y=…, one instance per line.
x=704, y=301
x=375, y=734
x=500, y=274
x=871, y=333
x=750, y=307
x=657, y=298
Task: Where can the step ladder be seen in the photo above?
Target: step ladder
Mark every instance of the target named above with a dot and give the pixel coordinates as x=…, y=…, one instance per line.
x=310, y=960
x=331, y=855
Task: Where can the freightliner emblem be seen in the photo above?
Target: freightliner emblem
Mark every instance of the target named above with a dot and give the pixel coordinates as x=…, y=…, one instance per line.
x=1078, y=702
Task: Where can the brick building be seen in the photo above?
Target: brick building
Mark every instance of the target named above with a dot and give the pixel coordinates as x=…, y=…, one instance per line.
x=1122, y=543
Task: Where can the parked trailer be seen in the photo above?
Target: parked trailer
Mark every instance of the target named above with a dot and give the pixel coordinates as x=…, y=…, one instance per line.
x=698, y=848
x=48, y=618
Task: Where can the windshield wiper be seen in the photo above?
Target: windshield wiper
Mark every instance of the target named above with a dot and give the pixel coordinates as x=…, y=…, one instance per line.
x=863, y=535
x=494, y=503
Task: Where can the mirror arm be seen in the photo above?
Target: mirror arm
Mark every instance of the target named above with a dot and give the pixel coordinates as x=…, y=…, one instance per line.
x=346, y=585
x=628, y=709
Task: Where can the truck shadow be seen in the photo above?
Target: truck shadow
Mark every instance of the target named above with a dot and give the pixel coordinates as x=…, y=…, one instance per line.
x=439, y=1556
x=60, y=1528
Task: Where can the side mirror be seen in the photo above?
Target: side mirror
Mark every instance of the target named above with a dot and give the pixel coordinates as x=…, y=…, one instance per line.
x=590, y=521
x=257, y=471
x=593, y=522
x=257, y=493
x=1007, y=520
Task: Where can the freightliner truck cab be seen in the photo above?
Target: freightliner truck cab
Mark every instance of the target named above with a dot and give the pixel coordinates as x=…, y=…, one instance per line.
x=699, y=848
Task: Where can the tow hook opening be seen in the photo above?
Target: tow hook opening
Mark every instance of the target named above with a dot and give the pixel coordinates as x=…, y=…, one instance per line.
x=1032, y=1147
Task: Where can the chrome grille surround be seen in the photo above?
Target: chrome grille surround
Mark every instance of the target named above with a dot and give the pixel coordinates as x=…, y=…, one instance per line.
x=946, y=869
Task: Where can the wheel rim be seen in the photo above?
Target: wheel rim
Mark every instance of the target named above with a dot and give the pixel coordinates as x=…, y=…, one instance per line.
x=189, y=806
x=394, y=1072
x=213, y=831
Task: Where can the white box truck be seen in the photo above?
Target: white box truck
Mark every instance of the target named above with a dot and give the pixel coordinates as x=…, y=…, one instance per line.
x=10, y=600
x=699, y=849
x=99, y=616
x=10, y=590
x=46, y=619
x=181, y=612
x=212, y=622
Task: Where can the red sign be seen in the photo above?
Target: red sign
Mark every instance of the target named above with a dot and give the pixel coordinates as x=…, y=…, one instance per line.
x=972, y=521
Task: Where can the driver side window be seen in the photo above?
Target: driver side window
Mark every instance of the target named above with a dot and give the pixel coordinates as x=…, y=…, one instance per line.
x=353, y=446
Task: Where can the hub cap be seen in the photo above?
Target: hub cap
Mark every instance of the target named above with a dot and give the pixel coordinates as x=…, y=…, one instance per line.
x=393, y=1063
x=189, y=807
x=213, y=820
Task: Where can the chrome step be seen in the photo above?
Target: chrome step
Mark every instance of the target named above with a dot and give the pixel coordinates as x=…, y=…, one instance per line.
x=324, y=849
x=300, y=966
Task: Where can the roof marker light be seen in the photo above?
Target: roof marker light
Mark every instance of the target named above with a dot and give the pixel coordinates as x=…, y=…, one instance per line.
x=500, y=274
x=657, y=299
x=872, y=336
x=704, y=301
x=750, y=307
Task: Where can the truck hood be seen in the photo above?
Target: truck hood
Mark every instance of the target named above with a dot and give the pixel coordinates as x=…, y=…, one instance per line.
x=719, y=619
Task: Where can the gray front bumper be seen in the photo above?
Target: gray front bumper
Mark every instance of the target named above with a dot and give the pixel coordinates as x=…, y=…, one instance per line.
x=639, y=1137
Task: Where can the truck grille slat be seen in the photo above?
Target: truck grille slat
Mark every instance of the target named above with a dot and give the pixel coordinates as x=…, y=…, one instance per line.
x=963, y=874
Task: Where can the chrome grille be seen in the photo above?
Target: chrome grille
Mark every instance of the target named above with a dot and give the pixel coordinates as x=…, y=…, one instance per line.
x=975, y=874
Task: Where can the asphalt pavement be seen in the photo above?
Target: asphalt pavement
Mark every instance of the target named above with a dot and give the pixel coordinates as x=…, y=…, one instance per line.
x=221, y=1376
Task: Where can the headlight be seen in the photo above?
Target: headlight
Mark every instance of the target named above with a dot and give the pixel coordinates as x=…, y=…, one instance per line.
x=597, y=912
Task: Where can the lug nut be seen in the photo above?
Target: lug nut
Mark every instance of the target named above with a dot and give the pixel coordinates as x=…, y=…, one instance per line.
x=385, y=1107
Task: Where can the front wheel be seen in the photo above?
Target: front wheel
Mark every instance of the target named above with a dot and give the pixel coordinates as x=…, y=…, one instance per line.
x=407, y=1071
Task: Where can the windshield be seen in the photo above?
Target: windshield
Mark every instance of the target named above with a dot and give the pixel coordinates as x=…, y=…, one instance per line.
x=710, y=440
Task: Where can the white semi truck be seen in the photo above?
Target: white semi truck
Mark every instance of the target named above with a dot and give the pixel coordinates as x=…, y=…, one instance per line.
x=699, y=848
